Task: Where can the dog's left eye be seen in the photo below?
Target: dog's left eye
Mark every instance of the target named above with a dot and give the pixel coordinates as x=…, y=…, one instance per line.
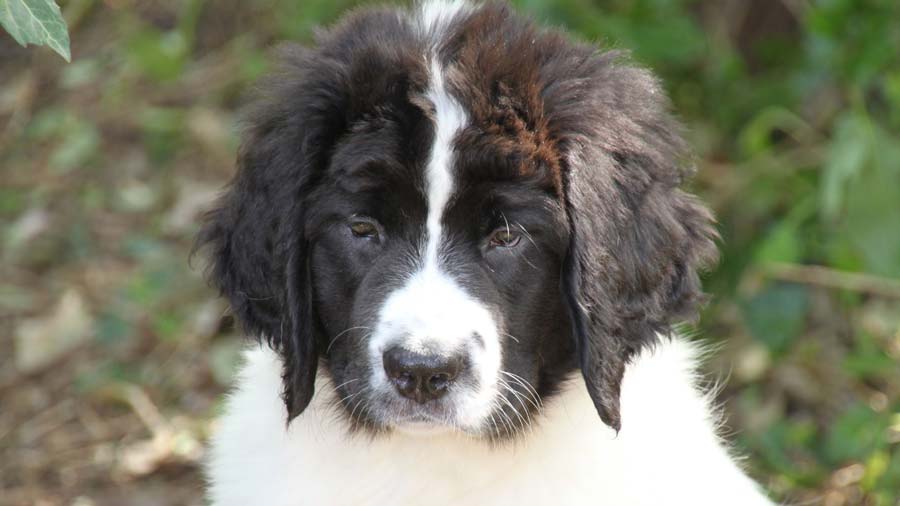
x=504, y=238
x=364, y=229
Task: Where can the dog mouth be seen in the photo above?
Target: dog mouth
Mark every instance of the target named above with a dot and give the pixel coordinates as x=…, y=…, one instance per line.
x=407, y=412
x=410, y=416
x=385, y=412
x=379, y=406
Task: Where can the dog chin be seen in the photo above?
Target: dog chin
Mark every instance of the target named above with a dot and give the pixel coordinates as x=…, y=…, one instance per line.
x=422, y=428
x=422, y=421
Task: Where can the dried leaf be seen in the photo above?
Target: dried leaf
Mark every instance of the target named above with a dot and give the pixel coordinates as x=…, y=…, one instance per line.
x=40, y=341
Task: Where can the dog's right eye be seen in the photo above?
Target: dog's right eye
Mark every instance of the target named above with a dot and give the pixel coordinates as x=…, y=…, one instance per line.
x=364, y=229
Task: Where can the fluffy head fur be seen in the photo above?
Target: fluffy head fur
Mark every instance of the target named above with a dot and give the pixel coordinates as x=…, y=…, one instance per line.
x=457, y=182
x=449, y=224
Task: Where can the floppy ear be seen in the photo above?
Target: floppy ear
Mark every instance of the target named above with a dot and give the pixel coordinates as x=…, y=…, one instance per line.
x=636, y=241
x=257, y=252
x=255, y=235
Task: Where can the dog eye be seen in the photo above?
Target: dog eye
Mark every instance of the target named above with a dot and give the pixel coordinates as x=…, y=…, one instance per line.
x=364, y=229
x=504, y=238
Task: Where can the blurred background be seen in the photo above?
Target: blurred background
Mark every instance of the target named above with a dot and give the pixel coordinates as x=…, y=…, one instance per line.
x=114, y=353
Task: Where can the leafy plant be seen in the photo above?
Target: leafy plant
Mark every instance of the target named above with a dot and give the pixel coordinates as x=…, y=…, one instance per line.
x=792, y=108
x=36, y=22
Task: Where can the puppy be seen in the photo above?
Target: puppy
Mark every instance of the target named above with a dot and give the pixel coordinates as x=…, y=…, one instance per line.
x=460, y=242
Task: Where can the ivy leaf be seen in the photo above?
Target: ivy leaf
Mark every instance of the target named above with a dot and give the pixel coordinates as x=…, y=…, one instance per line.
x=36, y=22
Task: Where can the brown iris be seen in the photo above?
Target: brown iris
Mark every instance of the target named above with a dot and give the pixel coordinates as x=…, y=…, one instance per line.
x=364, y=229
x=504, y=238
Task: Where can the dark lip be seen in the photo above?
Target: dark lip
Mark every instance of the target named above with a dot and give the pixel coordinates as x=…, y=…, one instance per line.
x=420, y=418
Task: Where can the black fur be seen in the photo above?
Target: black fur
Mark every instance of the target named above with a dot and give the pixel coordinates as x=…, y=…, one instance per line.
x=637, y=241
x=256, y=235
x=574, y=146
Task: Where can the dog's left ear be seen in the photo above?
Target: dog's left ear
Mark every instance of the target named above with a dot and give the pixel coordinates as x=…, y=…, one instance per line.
x=636, y=240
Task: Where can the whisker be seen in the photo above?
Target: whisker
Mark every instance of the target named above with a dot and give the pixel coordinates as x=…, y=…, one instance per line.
x=496, y=409
x=334, y=389
x=494, y=425
x=509, y=388
x=531, y=240
x=340, y=334
x=511, y=407
x=345, y=384
x=527, y=234
x=365, y=408
x=352, y=395
x=521, y=398
x=514, y=338
x=508, y=424
x=358, y=403
x=533, y=393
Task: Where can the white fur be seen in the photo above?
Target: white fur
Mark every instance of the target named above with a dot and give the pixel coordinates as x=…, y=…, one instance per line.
x=435, y=15
x=432, y=314
x=450, y=118
x=667, y=452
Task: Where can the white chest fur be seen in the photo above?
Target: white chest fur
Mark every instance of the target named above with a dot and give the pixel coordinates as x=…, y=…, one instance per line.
x=666, y=453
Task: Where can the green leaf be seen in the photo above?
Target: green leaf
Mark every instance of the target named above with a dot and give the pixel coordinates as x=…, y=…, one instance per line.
x=850, y=151
x=857, y=433
x=870, y=223
x=776, y=315
x=36, y=22
x=782, y=244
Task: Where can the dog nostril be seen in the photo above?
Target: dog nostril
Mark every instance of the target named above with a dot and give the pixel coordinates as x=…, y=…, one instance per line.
x=421, y=377
x=405, y=384
x=438, y=382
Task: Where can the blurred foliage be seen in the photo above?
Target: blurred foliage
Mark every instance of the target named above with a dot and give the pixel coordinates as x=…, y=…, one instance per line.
x=36, y=22
x=792, y=106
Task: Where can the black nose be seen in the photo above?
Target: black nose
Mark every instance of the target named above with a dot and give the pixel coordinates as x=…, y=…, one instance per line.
x=421, y=377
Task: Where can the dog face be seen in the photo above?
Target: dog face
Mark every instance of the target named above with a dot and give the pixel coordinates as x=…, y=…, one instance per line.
x=452, y=211
x=435, y=280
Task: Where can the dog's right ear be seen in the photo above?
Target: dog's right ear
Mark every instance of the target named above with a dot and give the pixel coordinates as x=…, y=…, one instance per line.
x=255, y=234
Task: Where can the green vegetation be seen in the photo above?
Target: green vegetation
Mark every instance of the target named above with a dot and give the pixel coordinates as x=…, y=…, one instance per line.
x=35, y=22
x=792, y=106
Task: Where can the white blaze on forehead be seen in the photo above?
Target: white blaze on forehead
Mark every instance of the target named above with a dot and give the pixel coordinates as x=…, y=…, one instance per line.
x=449, y=119
x=435, y=15
x=431, y=293
x=431, y=312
